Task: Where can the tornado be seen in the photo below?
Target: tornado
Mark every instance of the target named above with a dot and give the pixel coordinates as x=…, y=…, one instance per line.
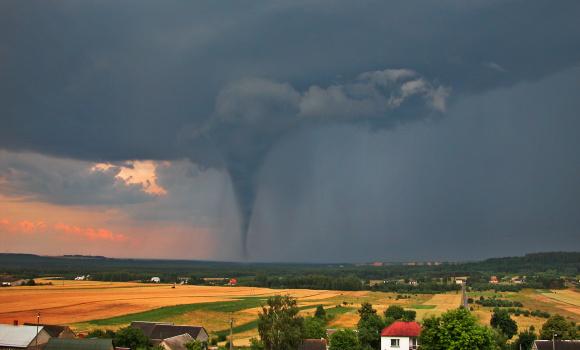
x=252, y=114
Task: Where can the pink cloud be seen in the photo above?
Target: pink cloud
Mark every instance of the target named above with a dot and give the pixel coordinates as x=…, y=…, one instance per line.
x=89, y=233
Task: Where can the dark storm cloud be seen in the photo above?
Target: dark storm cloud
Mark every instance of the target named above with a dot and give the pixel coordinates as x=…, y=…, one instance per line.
x=224, y=85
x=59, y=181
x=115, y=81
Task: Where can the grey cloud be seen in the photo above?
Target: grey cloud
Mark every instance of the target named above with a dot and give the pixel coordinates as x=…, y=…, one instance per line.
x=34, y=177
x=253, y=114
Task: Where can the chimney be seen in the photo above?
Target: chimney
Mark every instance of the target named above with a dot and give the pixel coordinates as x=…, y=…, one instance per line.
x=81, y=336
x=16, y=322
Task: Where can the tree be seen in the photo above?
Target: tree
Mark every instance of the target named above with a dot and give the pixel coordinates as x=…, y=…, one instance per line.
x=369, y=331
x=563, y=329
x=454, y=330
x=130, y=337
x=31, y=282
x=395, y=312
x=315, y=328
x=409, y=316
x=344, y=340
x=99, y=333
x=525, y=340
x=255, y=344
x=320, y=312
x=501, y=319
x=366, y=309
x=279, y=325
x=196, y=345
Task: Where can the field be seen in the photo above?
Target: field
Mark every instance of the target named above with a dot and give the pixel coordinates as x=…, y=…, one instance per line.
x=87, y=305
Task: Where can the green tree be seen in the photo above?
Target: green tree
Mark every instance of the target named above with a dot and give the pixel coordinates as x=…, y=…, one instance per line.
x=455, y=330
x=31, y=282
x=99, y=333
x=315, y=328
x=563, y=329
x=320, y=312
x=525, y=340
x=369, y=331
x=366, y=309
x=279, y=325
x=344, y=340
x=501, y=319
x=395, y=312
x=499, y=338
x=256, y=344
x=133, y=338
x=196, y=345
x=409, y=315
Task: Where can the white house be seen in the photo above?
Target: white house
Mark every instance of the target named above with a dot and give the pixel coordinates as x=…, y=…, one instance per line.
x=155, y=279
x=400, y=336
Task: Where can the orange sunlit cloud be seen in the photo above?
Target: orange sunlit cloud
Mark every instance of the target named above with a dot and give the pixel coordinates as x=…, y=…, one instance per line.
x=90, y=233
x=23, y=226
x=27, y=227
x=143, y=172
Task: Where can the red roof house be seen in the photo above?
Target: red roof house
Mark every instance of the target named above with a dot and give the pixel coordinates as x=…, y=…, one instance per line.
x=401, y=335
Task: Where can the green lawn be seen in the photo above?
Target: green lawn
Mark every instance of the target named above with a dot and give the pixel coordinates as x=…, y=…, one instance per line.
x=421, y=306
x=177, y=310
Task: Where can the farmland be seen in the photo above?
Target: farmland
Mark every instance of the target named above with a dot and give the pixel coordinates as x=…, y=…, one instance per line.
x=88, y=305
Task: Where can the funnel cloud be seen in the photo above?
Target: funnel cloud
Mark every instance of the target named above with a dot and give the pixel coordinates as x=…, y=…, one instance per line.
x=251, y=115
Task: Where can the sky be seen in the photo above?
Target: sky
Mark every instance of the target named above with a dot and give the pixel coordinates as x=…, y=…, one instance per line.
x=290, y=131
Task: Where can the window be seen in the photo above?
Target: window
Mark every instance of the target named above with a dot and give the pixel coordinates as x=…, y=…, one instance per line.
x=395, y=343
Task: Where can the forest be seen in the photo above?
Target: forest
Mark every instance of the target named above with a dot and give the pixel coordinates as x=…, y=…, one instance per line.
x=542, y=270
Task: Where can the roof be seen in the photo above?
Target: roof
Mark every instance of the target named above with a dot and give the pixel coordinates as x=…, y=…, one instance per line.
x=313, y=344
x=560, y=345
x=79, y=344
x=164, y=331
x=147, y=327
x=17, y=336
x=178, y=342
x=55, y=330
x=402, y=329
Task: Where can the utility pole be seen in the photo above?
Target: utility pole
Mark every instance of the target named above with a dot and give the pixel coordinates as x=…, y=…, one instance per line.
x=554, y=339
x=37, y=324
x=231, y=333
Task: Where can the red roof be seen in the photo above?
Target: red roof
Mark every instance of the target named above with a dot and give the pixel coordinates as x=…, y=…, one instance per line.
x=402, y=329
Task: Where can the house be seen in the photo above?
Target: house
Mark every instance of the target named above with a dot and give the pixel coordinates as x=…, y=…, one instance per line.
x=559, y=345
x=176, y=343
x=79, y=344
x=493, y=280
x=400, y=335
x=160, y=331
x=233, y=282
x=155, y=279
x=80, y=278
x=23, y=337
x=56, y=331
x=460, y=280
x=313, y=344
x=8, y=280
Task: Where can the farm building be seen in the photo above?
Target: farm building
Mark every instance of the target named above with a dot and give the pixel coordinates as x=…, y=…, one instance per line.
x=56, y=331
x=559, y=345
x=23, y=337
x=313, y=344
x=155, y=279
x=175, y=343
x=79, y=344
x=400, y=335
x=161, y=331
x=7, y=280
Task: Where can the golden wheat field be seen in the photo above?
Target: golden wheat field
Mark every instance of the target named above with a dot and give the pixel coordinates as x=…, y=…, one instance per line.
x=75, y=303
